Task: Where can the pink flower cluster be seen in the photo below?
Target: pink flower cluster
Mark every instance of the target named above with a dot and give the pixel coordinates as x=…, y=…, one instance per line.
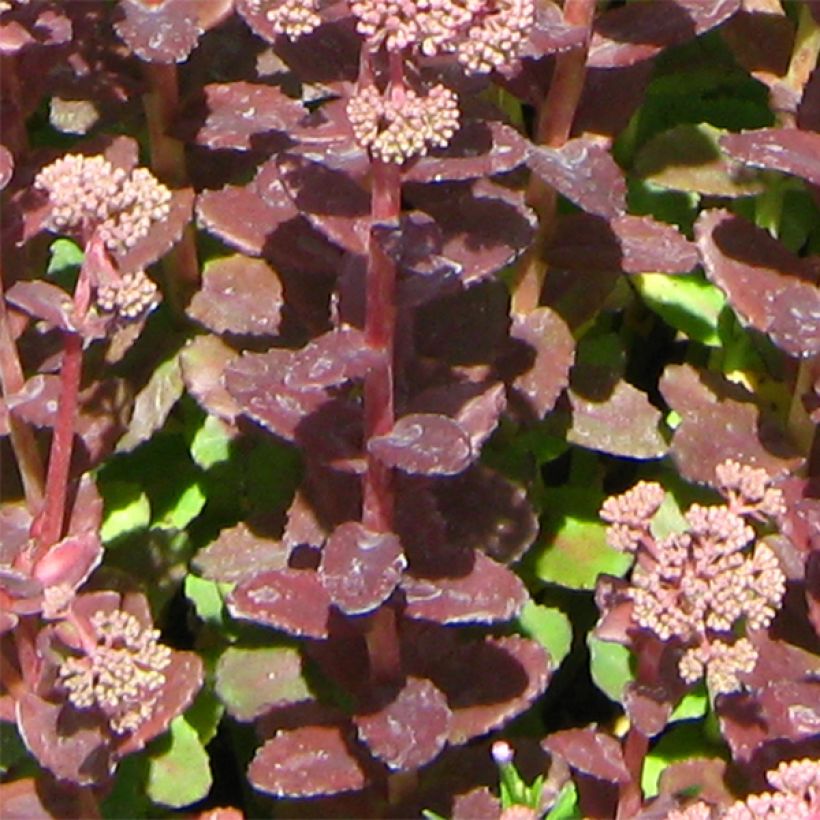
x=129, y=297
x=796, y=796
x=89, y=193
x=394, y=130
x=698, y=584
x=484, y=34
x=121, y=674
x=293, y=18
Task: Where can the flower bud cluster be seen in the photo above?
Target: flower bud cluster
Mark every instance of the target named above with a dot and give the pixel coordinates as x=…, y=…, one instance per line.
x=88, y=193
x=293, y=18
x=748, y=490
x=122, y=675
x=485, y=34
x=397, y=131
x=129, y=298
x=796, y=795
x=698, y=585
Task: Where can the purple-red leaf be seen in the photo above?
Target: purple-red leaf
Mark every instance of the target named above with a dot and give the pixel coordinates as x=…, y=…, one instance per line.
x=306, y=762
x=623, y=424
x=241, y=217
x=163, y=32
x=541, y=356
x=256, y=382
x=332, y=200
x=485, y=225
x=360, y=568
x=36, y=403
x=485, y=511
x=487, y=593
x=424, y=444
x=411, y=729
x=238, y=554
x=632, y=244
x=479, y=149
x=631, y=33
x=778, y=149
x=6, y=166
x=238, y=295
x=717, y=426
x=584, y=172
x=590, y=752
x=291, y=600
x=237, y=112
x=765, y=283
x=331, y=359
x=203, y=361
x=45, y=301
x=71, y=744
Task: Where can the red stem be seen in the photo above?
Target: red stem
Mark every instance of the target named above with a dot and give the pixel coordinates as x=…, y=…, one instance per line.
x=553, y=127
x=50, y=525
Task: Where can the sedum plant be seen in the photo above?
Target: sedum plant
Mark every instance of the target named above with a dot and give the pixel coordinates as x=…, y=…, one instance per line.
x=395, y=390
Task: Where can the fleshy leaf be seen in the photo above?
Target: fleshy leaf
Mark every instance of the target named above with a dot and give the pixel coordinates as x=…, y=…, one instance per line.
x=584, y=172
x=610, y=667
x=291, y=600
x=162, y=33
x=306, y=762
x=424, y=444
x=238, y=553
x=178, y=772
x=238, y=295
x=633, y=244
x=487, y=593
x=717, y=426
x=629, y=34
x=575, y=550
x=256, y=382
x=765, y=283
x=126, y=509
x=411, y=729
x=330, y=360
x=789, y=150
x=45, y=301
x=590, y=752
x=687, y=303
x=153, y=404
x=623, y=424
x=250, y=680
x=203, y=361
x=550, y=627
x=544, y=343
x=688, y=157
x=360, y=568
x=239, y=112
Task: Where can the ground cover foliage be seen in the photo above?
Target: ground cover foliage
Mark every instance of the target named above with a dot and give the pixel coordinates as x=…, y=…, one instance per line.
x=409, y=408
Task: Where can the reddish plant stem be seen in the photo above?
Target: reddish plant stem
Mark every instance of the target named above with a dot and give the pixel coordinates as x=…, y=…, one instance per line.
x=180, y=264
x=553, y=127
x=636, y=745
x=51, y=522
x=15, y=135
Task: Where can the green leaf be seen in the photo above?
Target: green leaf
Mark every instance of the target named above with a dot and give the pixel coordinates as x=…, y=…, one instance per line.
x=668, y=520
x=65, y=255
x=688, y=303
x=609, y=666
x=550, y=627
x=178, y=769
x=678, y=743
x=248, y=680
x=211, y=443
x=187, y=506
x=127, y=797
x=127, y=509
x=694, y=704
x=566, y=804
x=274, y=471
x=204, y=715
x=12, y=747
x=207, y=598
x=574, y=551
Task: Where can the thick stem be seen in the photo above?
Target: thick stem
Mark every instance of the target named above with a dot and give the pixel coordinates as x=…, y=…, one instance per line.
x=51, y=522
x=553, y=127
x=380, y=324
x=15, y=135
x=180, y=264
